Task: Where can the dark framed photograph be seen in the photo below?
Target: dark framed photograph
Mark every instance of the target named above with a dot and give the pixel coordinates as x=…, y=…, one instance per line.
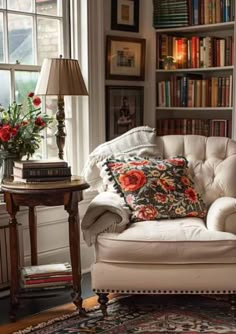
x=125, y=15
x=125, y=58
x=124, y=109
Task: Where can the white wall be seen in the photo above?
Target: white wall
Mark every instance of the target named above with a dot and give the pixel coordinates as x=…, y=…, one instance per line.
x=99, y=28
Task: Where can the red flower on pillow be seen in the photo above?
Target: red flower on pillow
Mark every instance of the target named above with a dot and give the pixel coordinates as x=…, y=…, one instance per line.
x=161, y=198
x=115, y=165
x=193, y=214
x=177, y=161
x=147, y=212
x=132, y=180
x=191, y=194
x=161, y=167
x=139, y=163
x=167, y=184
x=185, y=180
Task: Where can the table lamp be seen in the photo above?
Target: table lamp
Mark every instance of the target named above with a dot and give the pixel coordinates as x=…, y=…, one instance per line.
x=60, y=76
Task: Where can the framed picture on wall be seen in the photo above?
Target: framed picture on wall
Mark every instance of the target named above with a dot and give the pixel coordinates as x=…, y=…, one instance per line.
x=124, y=109
x=125, y=15
x=125, y=58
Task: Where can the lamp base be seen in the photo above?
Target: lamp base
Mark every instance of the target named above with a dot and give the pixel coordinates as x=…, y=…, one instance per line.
x=60, y=134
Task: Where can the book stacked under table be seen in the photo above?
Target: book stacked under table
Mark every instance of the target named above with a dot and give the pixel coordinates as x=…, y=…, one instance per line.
x=46, y=277
x=41, y=171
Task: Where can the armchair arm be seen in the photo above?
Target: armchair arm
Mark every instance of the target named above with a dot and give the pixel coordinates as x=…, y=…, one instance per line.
x=221, y=215
x=106, y=212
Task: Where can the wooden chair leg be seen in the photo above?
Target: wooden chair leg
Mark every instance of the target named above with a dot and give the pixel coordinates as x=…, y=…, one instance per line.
x=233, y=305
x=102, y=299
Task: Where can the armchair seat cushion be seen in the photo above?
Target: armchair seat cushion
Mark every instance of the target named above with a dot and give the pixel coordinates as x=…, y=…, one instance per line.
x=182, y=241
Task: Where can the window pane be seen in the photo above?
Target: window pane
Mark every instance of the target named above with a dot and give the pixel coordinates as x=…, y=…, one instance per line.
x=48, y=38
x=51, y=109
x=1, y=3
x=20, y=39
x=24, y=6
x=39, y=153
x=25, y=83
x=1, y=38
x=5, y=88
x=48, y=7
x=52, y=149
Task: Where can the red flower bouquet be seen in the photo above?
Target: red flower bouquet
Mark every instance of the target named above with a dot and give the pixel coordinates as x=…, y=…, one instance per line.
x=20, y=127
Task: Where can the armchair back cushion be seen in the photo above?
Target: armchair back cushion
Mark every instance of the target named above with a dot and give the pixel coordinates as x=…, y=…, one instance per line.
x=212, y=162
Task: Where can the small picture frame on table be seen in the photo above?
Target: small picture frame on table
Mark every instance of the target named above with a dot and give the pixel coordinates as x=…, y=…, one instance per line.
x=125, y=58
x=125, y=15
x=124, y=109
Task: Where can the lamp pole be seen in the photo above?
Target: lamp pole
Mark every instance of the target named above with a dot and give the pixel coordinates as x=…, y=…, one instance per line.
x=60, y=134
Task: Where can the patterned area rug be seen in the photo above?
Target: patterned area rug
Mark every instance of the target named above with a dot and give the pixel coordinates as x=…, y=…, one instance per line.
x=147, y=314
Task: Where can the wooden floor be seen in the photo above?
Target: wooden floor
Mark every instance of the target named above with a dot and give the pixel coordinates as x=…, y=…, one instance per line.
x=44, y=316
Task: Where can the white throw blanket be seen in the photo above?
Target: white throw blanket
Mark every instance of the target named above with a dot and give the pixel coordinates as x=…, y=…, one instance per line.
x=137, y=141
x=106, y=213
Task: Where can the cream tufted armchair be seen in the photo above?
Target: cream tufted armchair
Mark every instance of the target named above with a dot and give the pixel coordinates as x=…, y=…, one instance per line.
x=177, y=256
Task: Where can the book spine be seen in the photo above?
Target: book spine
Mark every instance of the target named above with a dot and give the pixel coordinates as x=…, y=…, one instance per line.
x=195, y=12
x=46, y=275
x=206, y=12
x=42, y=179
x=29, y=164
x=48, y=280
x=38, y=172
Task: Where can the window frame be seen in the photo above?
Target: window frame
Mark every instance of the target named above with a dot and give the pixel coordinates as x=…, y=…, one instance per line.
x=64, y=45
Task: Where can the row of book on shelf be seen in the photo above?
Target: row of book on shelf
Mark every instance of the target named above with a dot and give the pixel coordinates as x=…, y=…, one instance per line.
x=193, y=91
x=195, y=51
x=180, y=13
x=210, y=11
x=203, y=127
x=41, y=171
x=48, y=276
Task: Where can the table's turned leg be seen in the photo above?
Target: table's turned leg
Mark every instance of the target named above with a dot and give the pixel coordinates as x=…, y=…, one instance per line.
x=33, y=235
x=14, y=255
x=71, y=206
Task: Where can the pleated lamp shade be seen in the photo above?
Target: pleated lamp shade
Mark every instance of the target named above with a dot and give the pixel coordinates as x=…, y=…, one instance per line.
x=60, y=76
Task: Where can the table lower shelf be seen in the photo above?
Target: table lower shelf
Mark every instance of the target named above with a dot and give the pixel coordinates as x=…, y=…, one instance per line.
x=25, y=293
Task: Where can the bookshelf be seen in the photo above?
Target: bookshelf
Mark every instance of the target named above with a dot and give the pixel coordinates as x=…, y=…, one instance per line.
x=195, y=71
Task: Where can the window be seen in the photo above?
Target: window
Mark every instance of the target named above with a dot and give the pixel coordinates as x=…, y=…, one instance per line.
x=30, y=31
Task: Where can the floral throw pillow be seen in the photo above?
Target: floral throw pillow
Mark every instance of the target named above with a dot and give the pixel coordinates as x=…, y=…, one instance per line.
x=155, y=189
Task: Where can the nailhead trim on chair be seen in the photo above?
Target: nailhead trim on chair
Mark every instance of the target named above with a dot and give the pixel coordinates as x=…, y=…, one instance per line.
x=166, y=291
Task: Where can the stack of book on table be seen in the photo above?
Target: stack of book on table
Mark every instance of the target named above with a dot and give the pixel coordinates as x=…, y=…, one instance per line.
x=41, y=170
x=45, y=277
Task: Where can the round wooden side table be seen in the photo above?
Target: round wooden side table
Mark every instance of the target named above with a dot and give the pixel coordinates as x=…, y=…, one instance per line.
x=67, y=193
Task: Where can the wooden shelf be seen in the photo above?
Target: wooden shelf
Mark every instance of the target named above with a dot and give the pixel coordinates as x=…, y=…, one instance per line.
x=199, y=28
x=198, y=69
x=195, y=108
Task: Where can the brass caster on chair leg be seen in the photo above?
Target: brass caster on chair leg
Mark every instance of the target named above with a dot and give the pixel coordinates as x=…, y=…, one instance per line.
x=102, y=299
